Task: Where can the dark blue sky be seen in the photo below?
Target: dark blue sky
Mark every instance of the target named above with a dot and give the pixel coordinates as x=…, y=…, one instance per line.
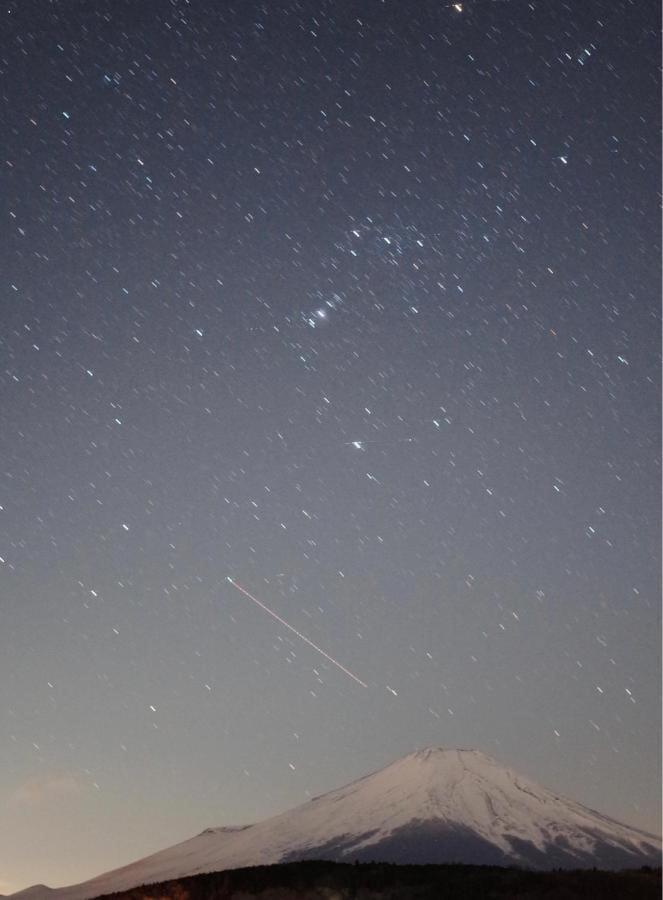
x=358, y=305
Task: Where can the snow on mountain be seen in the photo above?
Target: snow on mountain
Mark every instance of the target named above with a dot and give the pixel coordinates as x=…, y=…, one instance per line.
x=435, y=805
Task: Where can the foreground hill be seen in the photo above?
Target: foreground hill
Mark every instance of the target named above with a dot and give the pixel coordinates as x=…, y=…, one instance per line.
x=381, y=881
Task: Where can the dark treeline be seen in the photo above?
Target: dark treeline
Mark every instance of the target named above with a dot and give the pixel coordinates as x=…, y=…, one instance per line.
x=319, y=880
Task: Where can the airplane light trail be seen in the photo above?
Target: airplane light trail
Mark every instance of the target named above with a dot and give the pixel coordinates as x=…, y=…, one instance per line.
x=298, y=633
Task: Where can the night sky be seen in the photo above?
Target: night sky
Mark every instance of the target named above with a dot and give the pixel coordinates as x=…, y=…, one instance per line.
x=355, y=304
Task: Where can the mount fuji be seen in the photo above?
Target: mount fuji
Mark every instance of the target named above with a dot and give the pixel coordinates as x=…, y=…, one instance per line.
x=432, y=806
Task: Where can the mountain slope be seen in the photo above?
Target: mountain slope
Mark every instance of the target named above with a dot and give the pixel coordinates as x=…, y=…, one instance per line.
x=434, y=805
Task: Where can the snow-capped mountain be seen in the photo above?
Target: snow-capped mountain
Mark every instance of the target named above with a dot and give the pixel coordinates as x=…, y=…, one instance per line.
x=432, y=806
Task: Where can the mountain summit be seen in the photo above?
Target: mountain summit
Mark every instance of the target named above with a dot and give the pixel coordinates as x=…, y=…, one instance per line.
x=432, y=806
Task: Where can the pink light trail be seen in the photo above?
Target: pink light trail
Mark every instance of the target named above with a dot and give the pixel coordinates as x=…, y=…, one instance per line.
x=298, y=633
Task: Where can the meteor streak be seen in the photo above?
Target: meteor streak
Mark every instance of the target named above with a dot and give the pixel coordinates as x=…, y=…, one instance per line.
x=294, y=630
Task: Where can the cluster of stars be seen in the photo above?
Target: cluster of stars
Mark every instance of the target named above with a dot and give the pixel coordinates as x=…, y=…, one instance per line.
x=362, y=307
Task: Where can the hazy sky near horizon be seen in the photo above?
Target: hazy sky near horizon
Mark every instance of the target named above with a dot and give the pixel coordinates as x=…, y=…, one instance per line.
x=358, y=305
